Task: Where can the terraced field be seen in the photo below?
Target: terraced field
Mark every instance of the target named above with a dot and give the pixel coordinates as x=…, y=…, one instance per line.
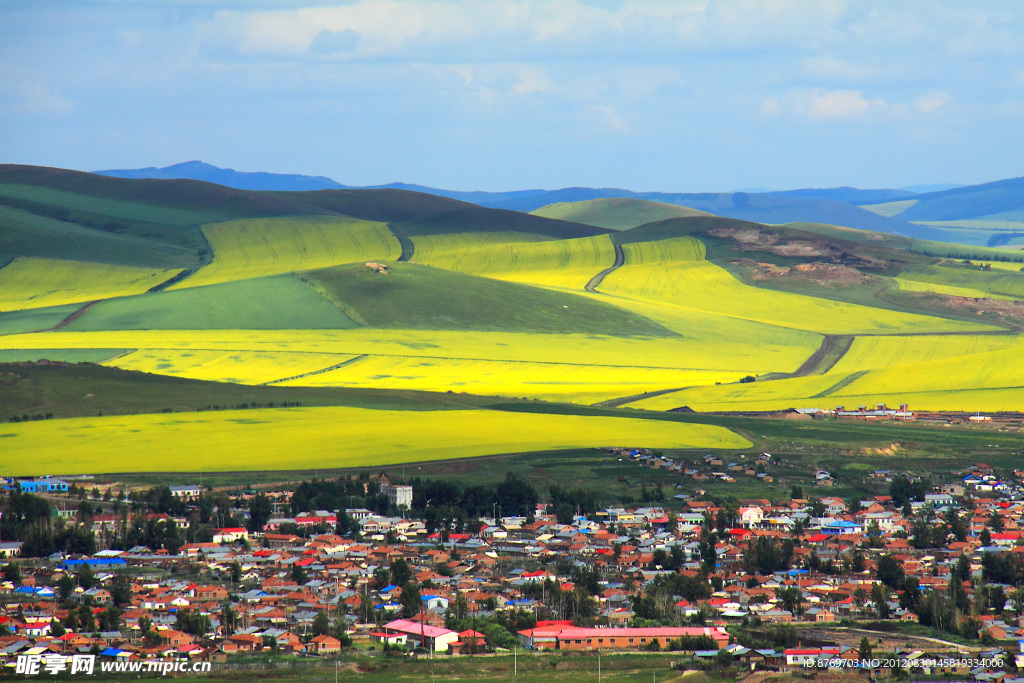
x=293, y=438
x=254, y=248
x=39, y=282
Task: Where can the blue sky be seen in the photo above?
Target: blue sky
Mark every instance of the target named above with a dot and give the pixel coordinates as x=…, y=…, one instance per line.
x=674, y=95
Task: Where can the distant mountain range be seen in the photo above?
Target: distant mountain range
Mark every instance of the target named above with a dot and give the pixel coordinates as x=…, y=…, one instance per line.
x=1000, y=200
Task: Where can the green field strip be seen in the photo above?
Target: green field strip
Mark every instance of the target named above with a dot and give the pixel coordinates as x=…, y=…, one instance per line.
x=26, y=234
x=841, y=384
x=108, y=207
x=66, y=355
x=73, y=317
x=34, y=319
x=336, y=366
x=414, y=296
x=277, y=302
x=616, y=213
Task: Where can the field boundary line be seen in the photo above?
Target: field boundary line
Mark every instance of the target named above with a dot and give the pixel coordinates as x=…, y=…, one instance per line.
x=317, y=372
x=173, y=280
x=70, y=319
x=625, y=400
x=841, y=384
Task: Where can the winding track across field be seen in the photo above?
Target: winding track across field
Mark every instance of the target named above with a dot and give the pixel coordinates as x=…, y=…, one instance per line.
x=595, y=282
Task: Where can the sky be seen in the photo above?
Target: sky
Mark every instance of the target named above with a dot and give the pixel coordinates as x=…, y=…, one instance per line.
x=648, y=95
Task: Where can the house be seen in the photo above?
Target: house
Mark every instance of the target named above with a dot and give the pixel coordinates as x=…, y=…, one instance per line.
x=433, y=638
x=573, y=638
x=323, y=645
x=174, y=638
x=190, y=491
x=229, y=535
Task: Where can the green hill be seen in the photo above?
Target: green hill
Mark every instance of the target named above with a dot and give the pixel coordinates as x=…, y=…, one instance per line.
x=620, y=213
x=270, y=303
x=1003, y=199
x=416, y=297
x=479, y=219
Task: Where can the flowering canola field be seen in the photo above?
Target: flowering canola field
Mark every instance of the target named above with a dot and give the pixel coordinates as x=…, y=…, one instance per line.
x=565, y=264
x=252, y=248
x=298, y=438
x=40, y=282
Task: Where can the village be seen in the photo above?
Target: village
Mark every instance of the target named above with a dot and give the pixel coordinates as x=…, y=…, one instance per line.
x=924, y=580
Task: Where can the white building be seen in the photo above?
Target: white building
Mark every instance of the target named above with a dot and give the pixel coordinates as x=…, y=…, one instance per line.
x=398, y=494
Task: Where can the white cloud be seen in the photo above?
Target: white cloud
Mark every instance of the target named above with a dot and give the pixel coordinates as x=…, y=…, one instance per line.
x=29, y=94
x=839, y=104
x=610, y=114
x=933, y=101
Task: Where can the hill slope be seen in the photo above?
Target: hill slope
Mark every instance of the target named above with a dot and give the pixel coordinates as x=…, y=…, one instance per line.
x=616, y=214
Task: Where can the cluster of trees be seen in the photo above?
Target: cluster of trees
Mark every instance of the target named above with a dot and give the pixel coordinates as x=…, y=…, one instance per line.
x=499, y=629
x=565, y=503
x=30, y=418
x=514, y=496
x=344, y=492
x=767, y=555
x=903, y=490
x=323, y=626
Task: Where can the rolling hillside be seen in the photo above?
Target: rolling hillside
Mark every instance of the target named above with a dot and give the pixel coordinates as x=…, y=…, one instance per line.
x=617, y=214
x=394, y=291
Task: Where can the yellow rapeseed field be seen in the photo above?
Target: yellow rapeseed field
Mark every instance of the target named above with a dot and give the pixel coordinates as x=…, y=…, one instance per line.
x=705, y=287
x=665, y=251
x=564, y=264
x=308, y=438
x=39, y=282
x=771, y=395
x=253, y=248
x=565, y=381
x=889, y=351
x=723, y=349
x=992, y=370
